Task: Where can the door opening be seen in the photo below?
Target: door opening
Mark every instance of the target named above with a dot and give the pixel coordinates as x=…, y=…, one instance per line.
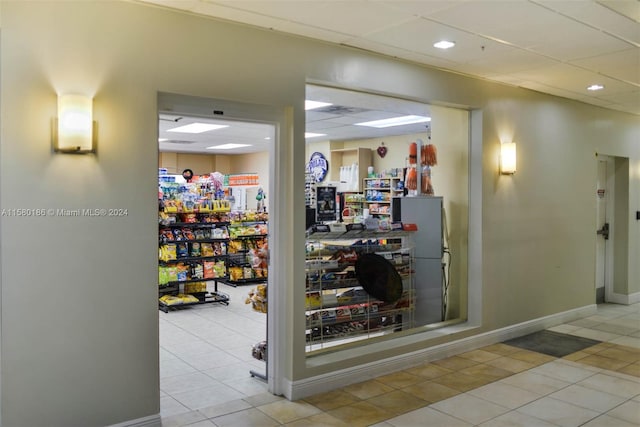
x=603, y=224
x=221, y=348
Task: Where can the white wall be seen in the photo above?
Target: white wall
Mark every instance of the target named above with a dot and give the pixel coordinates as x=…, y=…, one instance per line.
x=79, y=315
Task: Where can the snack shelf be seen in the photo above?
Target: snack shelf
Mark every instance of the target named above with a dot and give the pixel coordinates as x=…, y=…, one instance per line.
x=240, y=282
x=339, y=301
x=210, y=279
x=249, y=236
x=321, y=285
x=165, y=242
x=203, y=297
x=194, y=224
x=329, y=333
x=358, y=318
x=191, y=258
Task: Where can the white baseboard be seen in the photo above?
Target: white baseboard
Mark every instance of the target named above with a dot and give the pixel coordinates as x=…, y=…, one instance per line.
x=344, y=377
x=150, y=421
x=623, y=299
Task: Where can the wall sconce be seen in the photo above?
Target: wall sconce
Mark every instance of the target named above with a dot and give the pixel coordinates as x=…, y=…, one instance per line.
x=508, y=158
x=74, y=131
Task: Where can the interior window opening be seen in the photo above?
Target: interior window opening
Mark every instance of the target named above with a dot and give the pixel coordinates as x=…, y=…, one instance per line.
x=387, y=198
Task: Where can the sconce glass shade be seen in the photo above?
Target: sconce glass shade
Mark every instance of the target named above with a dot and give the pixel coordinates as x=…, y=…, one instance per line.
x=74, y=128
x=508, y=158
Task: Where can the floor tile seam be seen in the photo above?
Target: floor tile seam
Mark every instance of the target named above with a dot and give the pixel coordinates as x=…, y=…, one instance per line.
x=594, y=388
x=212, y=419
x=610, y=358
x=617, y=406
x=218, y=383
x=580, y=408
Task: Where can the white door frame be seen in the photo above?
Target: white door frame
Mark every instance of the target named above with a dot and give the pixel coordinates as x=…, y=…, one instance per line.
x=231, y=110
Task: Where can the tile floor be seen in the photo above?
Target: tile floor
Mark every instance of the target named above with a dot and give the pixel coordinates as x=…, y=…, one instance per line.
x=204, y=380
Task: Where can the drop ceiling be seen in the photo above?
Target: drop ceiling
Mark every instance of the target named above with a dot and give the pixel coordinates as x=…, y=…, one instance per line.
x=557, y=47
x=335, y=122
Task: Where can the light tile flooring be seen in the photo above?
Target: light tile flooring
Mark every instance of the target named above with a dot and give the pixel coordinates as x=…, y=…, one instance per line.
x=205, y=355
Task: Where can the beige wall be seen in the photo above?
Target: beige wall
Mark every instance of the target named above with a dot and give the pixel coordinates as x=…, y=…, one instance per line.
x=79, y=342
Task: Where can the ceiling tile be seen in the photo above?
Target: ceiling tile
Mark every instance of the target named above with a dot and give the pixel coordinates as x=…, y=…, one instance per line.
x=375, y=46
x=511, y=60
x=421, y=7
x=599, y=16
x=628, y=8
x=237, y=15
x=334, y=16
x=623, y=65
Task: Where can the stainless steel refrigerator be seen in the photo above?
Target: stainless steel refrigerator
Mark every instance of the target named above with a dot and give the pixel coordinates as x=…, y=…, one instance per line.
x=426, y=213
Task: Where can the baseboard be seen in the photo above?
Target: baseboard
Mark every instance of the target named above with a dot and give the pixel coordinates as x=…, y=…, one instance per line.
x=623, y=299
x=342, y=378
x=150, y=421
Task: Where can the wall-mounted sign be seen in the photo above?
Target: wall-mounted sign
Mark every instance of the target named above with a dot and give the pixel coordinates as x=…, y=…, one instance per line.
x=318, y=166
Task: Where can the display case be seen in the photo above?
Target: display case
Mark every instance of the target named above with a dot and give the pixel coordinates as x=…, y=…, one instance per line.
x=340, y=304
x=379, y=193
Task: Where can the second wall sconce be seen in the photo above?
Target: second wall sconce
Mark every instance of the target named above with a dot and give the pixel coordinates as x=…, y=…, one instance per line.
x=508, y=158
x=74, y=131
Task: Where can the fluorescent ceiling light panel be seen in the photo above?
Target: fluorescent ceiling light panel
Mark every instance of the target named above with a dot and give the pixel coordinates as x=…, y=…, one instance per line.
x=227, y=146
x=444, y=44
x=197, y=128
x=311, y=105
x=395, y=121
x=595, y=87
x=313, y=135
x=162, y=139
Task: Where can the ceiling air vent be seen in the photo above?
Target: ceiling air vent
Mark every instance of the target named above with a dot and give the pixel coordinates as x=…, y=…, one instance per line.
x=341, y=110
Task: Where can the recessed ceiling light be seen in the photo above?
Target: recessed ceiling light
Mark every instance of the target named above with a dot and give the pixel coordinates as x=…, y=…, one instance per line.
x=595, y=87
x=313, y=135
x=444, y=44
x=268, y=138
x=162, y=139
x=395, y=121
x=310, y=105
x=227, y=146
x=197, y=128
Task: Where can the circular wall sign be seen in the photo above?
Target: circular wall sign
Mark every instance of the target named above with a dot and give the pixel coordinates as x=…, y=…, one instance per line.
x=318, y=166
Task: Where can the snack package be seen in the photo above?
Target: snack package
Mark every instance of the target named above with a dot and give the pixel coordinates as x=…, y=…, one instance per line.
x=188, y=234
x=182, y=250
x=177, y=234
x=209, y=271
x=187, y=299
x=168, y=252
x=167, y=235
x=206, y=249
x=195, y=249
x=236, y=273
x=195, y=287
x=220, y=268
x=197, y=271
x=170, y=300
x=258, y=298
x=199, y=234
x=183, y=273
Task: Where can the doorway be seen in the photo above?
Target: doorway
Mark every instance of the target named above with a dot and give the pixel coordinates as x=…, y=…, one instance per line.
x=215, y=351
x=612, y=228
x=603, y=223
